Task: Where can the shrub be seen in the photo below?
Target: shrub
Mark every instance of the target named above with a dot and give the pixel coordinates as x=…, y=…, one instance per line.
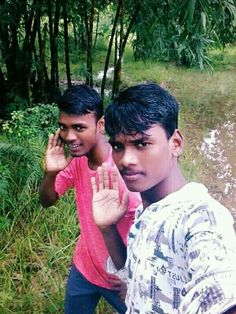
x=29, y=123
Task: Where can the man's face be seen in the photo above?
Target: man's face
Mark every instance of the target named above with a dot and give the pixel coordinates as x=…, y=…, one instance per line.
x=79, y=132
x=146, y=160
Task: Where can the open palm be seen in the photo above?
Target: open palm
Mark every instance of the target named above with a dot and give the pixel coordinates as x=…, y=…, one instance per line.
x=108, y=208
x=55, y=159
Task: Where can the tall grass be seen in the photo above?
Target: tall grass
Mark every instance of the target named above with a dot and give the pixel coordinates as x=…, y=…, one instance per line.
x=36, y=244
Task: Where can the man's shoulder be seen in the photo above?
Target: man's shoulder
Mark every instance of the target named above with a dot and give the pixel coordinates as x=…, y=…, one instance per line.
x=193, y=201
x=77, y=161
x=75, y=166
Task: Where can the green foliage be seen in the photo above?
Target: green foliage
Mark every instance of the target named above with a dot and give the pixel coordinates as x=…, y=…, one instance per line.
x=4, y=183
x=36, y=244
x=183, y=32
x=17, y=103
x=21, y=165
x=41, y=119
x=36, y=255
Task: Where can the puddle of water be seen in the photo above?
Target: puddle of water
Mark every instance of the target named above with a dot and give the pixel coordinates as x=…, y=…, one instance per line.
x=63, y=84
x=101, y=73
x=219, y=150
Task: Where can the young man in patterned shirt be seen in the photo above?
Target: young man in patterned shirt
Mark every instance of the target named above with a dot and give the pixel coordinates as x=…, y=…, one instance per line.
x=181, y=248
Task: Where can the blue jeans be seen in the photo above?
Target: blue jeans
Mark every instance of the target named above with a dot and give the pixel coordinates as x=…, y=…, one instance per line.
x=82, y=296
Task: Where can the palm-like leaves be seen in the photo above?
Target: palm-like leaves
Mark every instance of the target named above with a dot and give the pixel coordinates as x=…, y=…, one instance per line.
x=22, y=164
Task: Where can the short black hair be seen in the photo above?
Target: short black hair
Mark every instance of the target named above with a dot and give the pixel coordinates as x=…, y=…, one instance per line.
x=80, y=100
x=137, y=108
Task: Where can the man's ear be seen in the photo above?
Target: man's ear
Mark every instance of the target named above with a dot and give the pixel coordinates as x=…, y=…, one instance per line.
x=177, y=143
x=101, y=125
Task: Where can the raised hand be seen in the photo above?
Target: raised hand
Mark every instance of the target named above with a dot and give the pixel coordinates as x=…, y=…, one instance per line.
x=55, y=159
x=108, y=206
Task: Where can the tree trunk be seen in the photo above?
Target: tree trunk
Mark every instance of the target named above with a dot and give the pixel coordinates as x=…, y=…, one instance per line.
x=123, y=42
x=28, y=48
x=89, y=35
x=54, y=30
x=75, y=35
x=118, y=53
x=18, y=60
x=96, y=32
x=41, y=92
x=110, y=48
x=66, y=44
x=3, y=96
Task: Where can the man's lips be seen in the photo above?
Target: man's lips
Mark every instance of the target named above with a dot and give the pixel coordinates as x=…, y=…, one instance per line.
x=130, y=175
x=74, y=147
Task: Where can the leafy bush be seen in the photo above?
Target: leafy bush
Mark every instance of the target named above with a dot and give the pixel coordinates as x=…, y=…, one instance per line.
x=29, y=123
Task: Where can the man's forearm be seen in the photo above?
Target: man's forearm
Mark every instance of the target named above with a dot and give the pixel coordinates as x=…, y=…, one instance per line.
x=47, y=194
x=115, y=246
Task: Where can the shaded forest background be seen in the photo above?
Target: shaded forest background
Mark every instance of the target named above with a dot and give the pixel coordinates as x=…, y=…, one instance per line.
x=39, y=40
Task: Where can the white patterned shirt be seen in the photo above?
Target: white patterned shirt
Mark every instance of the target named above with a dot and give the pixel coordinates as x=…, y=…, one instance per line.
x=182, y=256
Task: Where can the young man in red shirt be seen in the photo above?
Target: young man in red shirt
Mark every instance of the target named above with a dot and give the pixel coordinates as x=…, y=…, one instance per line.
x=81, y=130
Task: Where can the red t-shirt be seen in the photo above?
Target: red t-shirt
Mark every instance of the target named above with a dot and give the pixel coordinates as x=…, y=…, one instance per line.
x=91, y=254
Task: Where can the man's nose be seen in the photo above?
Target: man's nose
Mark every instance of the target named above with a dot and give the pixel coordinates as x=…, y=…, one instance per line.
x=128, y=158
x=70, y=136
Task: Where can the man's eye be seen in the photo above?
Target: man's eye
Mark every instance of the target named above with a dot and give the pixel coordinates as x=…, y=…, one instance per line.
x=116, y=147
x=142, y=144
x=79, y=128
x=61, y=127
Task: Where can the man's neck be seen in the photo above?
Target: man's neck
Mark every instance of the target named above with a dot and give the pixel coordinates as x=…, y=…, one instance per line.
x=99, y=154
x=172, y=184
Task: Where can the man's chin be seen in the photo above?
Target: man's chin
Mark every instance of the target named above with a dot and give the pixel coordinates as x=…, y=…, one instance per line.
x=76, y=154
x=133, y=188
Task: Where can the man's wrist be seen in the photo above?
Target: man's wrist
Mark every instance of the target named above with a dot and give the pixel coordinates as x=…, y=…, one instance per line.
x=51, y=173
x=107, y=230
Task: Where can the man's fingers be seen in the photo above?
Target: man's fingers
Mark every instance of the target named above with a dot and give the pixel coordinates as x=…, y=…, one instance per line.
x=114, y=176
x=106, y=180
x=119, y=286
x=60, y=142
x=103, y=177
x=100, y=178
x=115, y=281
x=50, y=141
x=124, y=201
x=94, y=185
x=56, y=137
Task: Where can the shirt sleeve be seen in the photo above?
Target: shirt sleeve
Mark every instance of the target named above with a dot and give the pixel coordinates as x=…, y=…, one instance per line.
x=64, y=180
x=210, y=248
x=111, y=269
x=126, y=222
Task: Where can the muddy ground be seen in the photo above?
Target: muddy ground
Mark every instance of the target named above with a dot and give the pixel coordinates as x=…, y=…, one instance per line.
x=217, y=151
